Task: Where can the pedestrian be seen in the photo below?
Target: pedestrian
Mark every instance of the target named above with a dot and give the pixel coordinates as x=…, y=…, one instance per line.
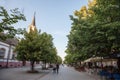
x=54, y=69
x=57, y=68
x=63, y=65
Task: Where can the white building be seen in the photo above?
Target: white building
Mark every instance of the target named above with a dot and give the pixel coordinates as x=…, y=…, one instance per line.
x=7, y=53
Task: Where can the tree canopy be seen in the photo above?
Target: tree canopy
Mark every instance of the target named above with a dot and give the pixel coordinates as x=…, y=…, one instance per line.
x=8, y=18
x=36, y=46
x=95, y=30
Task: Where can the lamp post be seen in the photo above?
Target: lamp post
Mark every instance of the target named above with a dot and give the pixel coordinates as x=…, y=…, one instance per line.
x=8, y=56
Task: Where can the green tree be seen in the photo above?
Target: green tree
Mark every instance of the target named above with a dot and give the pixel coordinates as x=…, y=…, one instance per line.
x=29, y=48
x=48, y=50
x=7, y=19
x=36, y=47
x=106, y=25
x=59, y=59
x=95, y=30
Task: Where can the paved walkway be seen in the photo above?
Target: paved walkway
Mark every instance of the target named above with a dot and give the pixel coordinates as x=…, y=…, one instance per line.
x=67, y=73
x=21, y=74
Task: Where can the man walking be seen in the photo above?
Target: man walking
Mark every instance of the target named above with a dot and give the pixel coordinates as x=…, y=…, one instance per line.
x=57, y=68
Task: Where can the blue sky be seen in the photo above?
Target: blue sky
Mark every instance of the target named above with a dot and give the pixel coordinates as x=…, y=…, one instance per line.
x=52, y=16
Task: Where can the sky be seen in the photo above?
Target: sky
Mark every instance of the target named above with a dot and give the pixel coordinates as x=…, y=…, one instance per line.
x=52, y=16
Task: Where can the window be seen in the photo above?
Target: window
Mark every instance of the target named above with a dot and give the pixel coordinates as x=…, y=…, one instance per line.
x=2, y=53
x=13, y=56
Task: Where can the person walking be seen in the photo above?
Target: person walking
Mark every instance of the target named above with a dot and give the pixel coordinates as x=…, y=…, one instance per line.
x=54, y=68
x=57, y=68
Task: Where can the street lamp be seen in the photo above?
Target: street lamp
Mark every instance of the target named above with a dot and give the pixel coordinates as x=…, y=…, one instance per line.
x=10, y=42
x=8, y=56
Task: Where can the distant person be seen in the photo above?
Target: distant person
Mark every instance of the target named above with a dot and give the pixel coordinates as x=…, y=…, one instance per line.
x=63, y=65
x=54, y=69
x=57, y=68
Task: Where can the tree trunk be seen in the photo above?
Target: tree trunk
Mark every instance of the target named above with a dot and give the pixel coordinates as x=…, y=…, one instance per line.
x=45, y=64
x=23, y=63
x=118, y=63
x=32, y=65
x=80, y=63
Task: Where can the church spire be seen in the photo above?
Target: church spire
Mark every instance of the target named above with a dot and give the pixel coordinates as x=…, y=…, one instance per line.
x=33, y=21
x=32, y=26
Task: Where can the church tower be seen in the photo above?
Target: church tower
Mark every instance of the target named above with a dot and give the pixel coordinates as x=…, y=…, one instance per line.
x=32, y=26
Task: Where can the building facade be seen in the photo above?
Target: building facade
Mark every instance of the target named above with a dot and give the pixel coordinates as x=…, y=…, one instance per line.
x=8, y=55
